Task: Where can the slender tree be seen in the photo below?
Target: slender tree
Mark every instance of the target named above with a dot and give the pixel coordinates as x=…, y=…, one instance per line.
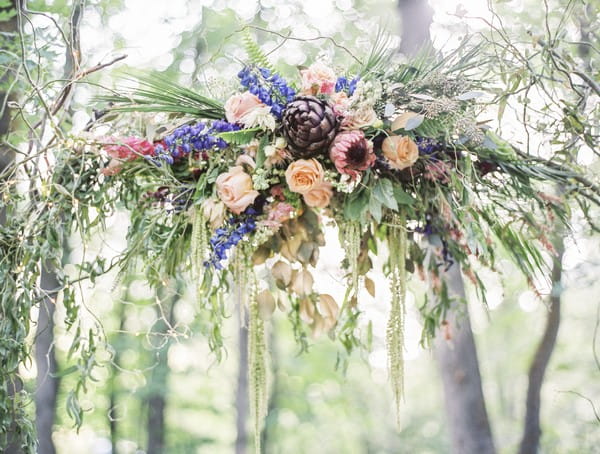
x=532, y=431
x=47, y=367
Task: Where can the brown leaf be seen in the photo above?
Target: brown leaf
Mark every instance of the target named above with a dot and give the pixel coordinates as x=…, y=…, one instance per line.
x=370, y=286
x=327, y=306
x=302, y=282
x=400, y=121
x=266, y=304
x=282, y=271
x=307, y=311
x=261, y=255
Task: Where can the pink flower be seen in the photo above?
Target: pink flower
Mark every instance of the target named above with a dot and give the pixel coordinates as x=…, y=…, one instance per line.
x=235, y=189
x=277, y=192
x=278, y=214
x=318, y=79
x=129, y=148
x=340, y=102
x=238, y=107
x=351, y=153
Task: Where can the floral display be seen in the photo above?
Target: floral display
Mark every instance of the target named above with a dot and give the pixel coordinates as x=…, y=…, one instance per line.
x=396, y=156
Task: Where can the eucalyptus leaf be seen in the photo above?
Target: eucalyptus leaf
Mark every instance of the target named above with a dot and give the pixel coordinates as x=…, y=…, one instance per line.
x=470, y=95
x=414, y=122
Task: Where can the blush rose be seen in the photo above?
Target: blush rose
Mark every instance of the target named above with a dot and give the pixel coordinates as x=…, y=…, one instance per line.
x=235, y=189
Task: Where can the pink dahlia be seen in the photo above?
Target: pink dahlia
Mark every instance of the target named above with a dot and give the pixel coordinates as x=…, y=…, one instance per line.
x=351, y=153
x=129, y=148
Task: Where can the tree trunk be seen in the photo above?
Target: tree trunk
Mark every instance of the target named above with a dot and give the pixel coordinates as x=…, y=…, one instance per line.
x=113, y=415
x=8, y=28
x=459, y=368
x=158, y=386
x=45, y=359
x=416, y=17
x=241, y=393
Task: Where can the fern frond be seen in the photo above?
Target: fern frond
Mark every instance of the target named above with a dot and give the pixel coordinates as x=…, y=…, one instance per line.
x=255, y=53
x=241, y=137
x=157, y=93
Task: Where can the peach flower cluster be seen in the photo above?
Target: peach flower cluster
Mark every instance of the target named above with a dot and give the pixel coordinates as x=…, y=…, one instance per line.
x=307, y=177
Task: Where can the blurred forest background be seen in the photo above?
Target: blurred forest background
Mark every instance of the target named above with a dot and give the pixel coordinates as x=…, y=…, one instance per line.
x=156, y=387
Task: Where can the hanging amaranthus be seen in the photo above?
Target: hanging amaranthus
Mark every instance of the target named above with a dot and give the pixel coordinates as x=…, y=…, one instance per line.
x=257, y=359
x=199, y=241
x=395, y=327
x=351, y=244
x=245, y=284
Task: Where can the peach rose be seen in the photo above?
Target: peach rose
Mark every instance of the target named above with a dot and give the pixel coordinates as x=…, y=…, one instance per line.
x=235, y=189
x=319, y=197
x=239, y=106
x=340, y=102
x=401, y=152
x=304, y=175
x=359, y=119
x=318, y=79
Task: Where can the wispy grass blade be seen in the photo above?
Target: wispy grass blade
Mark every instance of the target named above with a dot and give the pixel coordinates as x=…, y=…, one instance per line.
x=158, y=93
x=380, y=55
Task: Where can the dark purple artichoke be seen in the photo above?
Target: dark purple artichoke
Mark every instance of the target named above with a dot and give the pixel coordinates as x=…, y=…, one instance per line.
x=309, y=126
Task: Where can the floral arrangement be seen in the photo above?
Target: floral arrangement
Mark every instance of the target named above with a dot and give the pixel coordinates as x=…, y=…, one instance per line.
x=392, y=155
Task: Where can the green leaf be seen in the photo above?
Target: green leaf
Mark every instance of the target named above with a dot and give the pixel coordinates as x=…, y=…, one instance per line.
x=383, y=191
x=65, y=372
x=260, y=155
x=402, y=197
x=375, y=208
x=241, y=137
x=356, y=206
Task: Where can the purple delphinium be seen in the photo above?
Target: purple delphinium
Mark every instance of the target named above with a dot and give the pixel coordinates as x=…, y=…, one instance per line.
x=428, y=146
x=343, y=84
x=192, y=138
x=229, y=236
x=270, y=88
